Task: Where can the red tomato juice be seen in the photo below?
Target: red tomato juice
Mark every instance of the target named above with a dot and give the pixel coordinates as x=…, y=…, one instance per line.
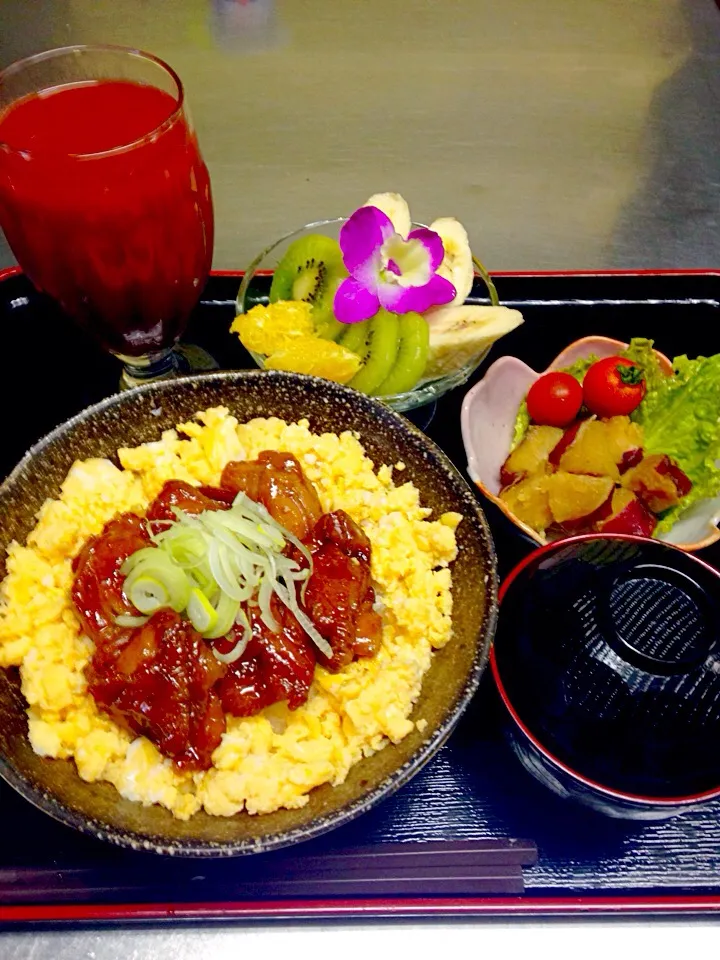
x=105, y=201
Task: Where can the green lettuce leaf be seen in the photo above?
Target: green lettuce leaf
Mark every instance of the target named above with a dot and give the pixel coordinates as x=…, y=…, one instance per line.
x=522, y=422
x=641, y=352
x=580, y=367
x=680, y=416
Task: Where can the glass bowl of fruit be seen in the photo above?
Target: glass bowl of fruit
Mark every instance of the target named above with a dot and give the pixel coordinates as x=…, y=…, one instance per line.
x=374, y=301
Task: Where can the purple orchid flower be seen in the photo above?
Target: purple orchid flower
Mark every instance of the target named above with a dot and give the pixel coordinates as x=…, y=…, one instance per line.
x=386, y=270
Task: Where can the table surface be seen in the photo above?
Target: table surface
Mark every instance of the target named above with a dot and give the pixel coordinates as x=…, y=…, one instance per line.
x=565, y=135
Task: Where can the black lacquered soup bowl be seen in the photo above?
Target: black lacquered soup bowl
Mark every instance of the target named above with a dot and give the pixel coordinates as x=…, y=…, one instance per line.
x=607, y=658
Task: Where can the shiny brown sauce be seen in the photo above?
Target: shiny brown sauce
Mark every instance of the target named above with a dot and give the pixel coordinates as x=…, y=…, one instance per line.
x=162, y=680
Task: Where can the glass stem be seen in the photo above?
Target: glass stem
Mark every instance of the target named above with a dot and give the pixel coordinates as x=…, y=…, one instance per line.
x=153, y=366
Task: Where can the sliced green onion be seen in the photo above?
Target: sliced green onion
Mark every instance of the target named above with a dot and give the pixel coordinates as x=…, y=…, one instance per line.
x=227, y=610
x=201, y=612
x=206, y=565
x=301, y=547
x=147, y=594
x=232, y=570
x=286, y=567
x=202, y=577
x=246, y=529
x=214, y=561
x=258, y=513
x=224, y=578
x=254, y=576
x=264, y=597
x=187, y=548
x=127, y=620
x=146, y=553
x=288, y=598
x=239, y=649
x=162, y=570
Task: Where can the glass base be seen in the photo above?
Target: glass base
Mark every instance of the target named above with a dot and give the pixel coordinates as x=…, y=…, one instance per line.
x=177, y=361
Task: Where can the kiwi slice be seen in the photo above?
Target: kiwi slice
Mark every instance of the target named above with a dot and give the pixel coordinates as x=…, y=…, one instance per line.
x=311, y=270
x=412, y=355
x=377, y=351
x=354, y=336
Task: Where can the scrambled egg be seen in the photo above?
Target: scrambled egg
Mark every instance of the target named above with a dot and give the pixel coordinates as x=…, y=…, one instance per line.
x=274, y=759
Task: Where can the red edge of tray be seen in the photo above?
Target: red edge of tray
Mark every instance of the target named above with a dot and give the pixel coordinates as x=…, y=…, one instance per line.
x=378, y=907
x=361, y=908
x=687, y=272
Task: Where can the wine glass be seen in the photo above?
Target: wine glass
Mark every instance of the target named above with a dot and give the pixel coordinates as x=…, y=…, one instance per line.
x=105, y=199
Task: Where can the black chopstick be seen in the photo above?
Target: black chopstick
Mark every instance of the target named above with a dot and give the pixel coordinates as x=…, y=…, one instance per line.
x=523, y=852
x=390, y=885
x=374, y=861
x=504, y=881
x=425, y=869
x=380, y=868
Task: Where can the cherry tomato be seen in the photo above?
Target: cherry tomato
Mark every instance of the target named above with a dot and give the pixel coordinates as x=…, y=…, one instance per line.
x=554, y=399
x=613, y=387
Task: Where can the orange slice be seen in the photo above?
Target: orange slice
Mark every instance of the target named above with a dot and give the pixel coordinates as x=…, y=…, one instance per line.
x=313, y=355
x=266, y=329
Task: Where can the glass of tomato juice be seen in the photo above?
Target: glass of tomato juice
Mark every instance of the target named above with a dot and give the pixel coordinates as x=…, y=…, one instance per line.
x=105, y=199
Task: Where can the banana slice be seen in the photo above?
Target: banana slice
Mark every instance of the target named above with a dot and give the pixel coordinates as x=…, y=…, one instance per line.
x=396, y=208
x=457, y=264
x=460, y=333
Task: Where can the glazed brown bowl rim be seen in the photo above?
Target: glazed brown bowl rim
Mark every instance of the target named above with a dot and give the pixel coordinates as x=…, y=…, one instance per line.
x=398, y=777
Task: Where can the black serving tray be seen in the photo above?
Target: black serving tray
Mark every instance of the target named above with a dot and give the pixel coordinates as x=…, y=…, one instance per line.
x=474, y=788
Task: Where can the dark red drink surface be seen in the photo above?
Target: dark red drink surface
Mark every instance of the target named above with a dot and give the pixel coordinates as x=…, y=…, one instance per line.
x=119, y=231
